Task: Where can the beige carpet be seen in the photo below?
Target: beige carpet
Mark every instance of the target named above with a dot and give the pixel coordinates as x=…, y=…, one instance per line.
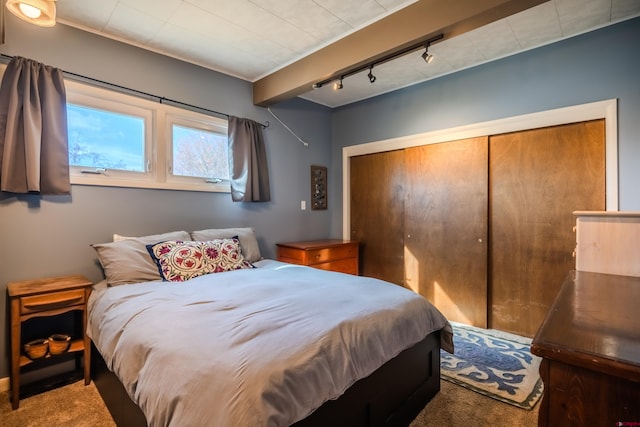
x=72, y=405
x=78, y=406
x=457, y=406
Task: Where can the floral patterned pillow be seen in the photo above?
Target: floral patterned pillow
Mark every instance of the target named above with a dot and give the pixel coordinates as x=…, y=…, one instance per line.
x=179, y=261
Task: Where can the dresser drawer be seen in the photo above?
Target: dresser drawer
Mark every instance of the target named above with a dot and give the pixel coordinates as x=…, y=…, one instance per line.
x=315, y=256
x=291, y=255
x=329, y=254
x=51, y=301
x=348, y=265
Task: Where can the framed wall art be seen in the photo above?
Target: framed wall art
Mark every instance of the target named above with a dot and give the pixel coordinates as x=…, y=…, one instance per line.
x=318, y=187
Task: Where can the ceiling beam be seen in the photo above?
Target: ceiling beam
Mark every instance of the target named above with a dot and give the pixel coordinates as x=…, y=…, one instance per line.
x=416, y=23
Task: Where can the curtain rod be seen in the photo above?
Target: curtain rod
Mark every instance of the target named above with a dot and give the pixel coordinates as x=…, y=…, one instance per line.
x=161, y=99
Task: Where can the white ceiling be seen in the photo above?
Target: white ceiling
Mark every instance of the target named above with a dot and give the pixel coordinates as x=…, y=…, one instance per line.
x=250, y=39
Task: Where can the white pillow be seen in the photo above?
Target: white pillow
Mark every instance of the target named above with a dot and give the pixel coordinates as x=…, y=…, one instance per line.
x=246, y=235
x=127, y=259
x=155, y=238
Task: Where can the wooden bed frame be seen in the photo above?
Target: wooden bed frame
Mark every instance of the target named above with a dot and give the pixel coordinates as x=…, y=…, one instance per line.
x=392, y=396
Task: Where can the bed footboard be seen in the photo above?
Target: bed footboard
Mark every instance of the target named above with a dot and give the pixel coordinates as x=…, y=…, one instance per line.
x=392, y=396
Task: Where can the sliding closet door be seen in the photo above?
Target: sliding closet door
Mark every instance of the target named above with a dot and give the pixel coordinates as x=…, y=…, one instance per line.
x=377, y=205
x=537, y=179
x=446, y=227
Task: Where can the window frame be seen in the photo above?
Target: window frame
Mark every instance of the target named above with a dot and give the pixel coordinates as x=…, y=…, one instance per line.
x=89, y=175
x=192, y=121
x=159, y=119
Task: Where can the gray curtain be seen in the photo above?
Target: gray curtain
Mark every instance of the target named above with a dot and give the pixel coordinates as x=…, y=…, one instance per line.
x=34, y=156
x=248, y=161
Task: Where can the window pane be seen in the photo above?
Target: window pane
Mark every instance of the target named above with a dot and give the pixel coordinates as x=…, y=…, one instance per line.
x=103, y=139
x=200, y=153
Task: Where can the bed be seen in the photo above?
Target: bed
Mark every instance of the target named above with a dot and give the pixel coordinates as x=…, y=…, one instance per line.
x=256, y=341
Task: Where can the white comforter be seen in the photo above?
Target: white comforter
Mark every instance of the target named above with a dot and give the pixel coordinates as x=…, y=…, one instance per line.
x=259, y=347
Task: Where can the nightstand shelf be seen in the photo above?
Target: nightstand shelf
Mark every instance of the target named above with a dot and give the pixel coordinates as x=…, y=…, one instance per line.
x=76, y=346
x=327, y=254
x=44, y=298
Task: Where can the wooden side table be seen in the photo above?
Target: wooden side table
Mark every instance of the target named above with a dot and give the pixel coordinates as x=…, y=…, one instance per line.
x=328, y=254
x=42, y=298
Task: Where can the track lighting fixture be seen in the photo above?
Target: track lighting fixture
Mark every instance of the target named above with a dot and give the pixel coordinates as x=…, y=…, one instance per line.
x=337, y=85
x=426, y=55
x=38, y=12
x=372, y=78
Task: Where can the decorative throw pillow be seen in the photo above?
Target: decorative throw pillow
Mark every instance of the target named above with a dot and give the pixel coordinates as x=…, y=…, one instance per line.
x=179, y=261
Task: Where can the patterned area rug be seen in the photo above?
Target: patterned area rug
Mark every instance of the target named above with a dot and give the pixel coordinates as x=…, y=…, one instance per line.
x=495, y=364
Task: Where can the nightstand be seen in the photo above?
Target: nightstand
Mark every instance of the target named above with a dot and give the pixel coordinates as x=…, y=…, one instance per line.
x=328, y=254
x=43, y=298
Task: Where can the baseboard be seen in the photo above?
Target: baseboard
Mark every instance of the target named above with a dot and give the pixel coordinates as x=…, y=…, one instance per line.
x=37, y=375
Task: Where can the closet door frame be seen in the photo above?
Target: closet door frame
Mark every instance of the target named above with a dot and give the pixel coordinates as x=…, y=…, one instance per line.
x=607, y=110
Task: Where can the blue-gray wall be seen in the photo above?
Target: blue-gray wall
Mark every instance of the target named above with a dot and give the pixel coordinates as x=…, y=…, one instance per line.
x=50, y=236
x=596, y=66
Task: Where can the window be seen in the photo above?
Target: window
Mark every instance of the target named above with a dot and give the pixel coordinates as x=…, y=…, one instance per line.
x=102, y=139
x=126, y=141
x=198, y=150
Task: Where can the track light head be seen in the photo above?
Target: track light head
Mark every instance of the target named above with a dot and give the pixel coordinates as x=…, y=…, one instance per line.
x=338, y=85
x=427, y=56
x=372, y=78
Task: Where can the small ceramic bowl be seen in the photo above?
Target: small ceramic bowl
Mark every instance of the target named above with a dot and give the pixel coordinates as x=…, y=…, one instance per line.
x=59, y=343
x=36, y=349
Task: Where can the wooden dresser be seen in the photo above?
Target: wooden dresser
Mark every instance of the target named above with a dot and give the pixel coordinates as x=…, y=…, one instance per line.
x=328, y=254
x=590, y=340
x=590, y=345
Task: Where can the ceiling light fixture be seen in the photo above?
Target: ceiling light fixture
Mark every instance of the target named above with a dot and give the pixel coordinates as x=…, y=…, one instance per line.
x=372, y=78
x=38, y=12
x=382, y=60
x=426, y=55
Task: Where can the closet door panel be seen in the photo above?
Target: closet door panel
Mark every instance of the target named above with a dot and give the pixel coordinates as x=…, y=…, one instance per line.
x=377, y=220
x=537, y=179
x=446, y=227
